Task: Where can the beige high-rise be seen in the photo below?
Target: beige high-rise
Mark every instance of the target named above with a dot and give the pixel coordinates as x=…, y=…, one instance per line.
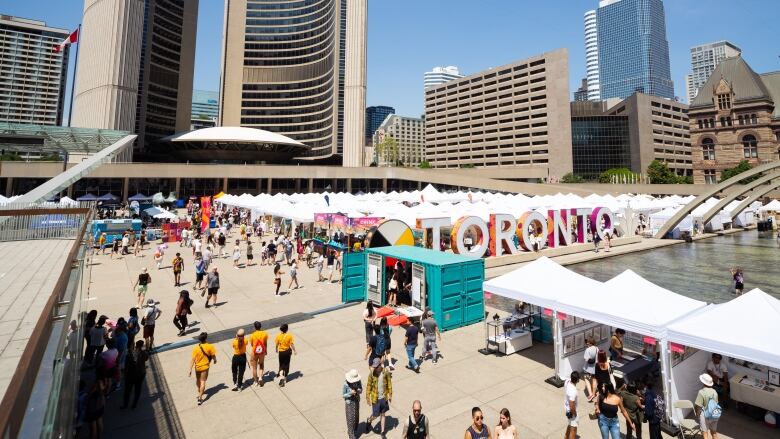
x=135, y=81
x=305, y=80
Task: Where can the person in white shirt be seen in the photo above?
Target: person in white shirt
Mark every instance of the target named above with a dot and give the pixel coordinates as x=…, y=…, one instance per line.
x=570, y=405
x=719, y=372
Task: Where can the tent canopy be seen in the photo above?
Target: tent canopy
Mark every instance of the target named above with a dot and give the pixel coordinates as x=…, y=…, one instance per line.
x=139, y=197
x=87, y=197
x=745, y=327
x=544, y=283
x=108, y=197
x=772, y=206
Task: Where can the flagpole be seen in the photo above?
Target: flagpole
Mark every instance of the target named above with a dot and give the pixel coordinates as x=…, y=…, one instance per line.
x=75, y=69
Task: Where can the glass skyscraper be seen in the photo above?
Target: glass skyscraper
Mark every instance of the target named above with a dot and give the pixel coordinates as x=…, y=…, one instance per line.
x=374, y=118
x=632, y=49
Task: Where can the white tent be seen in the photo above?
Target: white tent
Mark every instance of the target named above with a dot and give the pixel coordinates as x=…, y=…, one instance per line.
x=772, y=206
x=753, y=322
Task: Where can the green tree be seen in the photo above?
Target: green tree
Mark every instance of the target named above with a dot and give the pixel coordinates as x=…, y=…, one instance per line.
x=659, y=173
x=425, y=164
x=467, y=166
x=571, y=178
x=387, y=150
x=606, y=176
x=741, y=167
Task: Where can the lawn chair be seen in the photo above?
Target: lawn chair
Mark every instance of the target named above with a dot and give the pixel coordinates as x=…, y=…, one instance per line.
x=688, y=427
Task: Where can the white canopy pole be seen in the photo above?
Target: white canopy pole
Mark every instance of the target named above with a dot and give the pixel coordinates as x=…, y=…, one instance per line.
x=666, y=376
x=557, y=328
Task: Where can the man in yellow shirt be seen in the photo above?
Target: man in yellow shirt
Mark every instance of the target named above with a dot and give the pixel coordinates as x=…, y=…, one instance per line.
x=202, y=356
x=285, y=347
x=258, y=343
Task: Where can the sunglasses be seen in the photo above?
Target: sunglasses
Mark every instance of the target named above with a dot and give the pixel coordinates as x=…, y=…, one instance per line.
x=477, y=418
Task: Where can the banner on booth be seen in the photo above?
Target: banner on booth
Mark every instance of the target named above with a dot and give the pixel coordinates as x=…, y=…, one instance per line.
x=363, y=224
x=205, y=209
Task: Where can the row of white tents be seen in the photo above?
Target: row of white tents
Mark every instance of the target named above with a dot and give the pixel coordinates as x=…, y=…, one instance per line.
x=631, y=302
x=63, y=202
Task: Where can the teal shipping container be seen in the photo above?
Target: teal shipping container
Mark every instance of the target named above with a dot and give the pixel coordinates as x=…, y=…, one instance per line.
x=448, y=284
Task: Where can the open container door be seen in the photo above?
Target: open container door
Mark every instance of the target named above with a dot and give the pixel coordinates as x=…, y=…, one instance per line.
x=419, y=298
x=376, y=278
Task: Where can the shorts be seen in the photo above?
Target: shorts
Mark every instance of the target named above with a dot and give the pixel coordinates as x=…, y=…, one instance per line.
x=250, y=257
x=142, y=289
x=93, y=415
x=573, y=422
x=213, y=291
x=202, y=374
x=199, y=277
x=379, y=407
x=176, y=271
x=708, y=425
x=257, y=360
x=739, y=286
x=148, y=331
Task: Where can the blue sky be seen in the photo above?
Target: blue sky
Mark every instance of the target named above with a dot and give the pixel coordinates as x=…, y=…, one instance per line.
x=408, y=37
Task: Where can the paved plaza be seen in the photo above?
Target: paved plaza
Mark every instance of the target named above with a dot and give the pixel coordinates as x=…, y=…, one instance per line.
x=329, y=343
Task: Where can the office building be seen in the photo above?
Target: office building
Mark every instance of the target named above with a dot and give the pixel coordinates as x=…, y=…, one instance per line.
x=136, y=67
x=32, y=74
x=582, y=93
x=704, y=59
x=598, y=142
x=205, y=109
x=630, y=134
x=440, y=75
x=409, y=134
x=734, y=117
x=374, y=117
x=298, y=71
x=516, y=115
x=592, y=55
x=633, y=52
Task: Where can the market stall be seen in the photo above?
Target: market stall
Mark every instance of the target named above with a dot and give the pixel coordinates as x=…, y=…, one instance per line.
x=744, y=331
x=448, y=284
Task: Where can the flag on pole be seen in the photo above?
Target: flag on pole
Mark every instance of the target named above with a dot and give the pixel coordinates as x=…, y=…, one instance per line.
x=72, y=38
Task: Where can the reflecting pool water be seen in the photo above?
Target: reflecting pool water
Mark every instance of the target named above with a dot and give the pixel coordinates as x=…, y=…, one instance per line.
x=701, y=269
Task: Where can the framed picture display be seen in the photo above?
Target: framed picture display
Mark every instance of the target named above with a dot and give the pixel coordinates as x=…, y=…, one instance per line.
x=604, y=332
x=568, y=344
x=589, y=333
x=579, y=341
x=569, y=322
x=774, y=378
x=578, y=320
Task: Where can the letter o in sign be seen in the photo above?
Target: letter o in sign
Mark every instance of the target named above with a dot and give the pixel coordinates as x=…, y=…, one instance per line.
x=597, y=215
x=459, y=232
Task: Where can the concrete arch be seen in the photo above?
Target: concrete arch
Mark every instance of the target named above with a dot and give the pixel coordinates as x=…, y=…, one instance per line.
x=731, y=197
x=758, y=193
x=688, y=208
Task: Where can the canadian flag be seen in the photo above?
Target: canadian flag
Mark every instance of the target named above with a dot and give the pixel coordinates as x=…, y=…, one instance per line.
x=72, y=38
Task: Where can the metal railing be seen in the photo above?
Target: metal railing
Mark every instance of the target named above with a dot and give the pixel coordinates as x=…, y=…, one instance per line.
x=40, y=397
x=41, y=223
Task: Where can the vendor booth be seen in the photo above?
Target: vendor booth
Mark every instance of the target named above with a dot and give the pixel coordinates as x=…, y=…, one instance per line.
x=448, y=284
x=115, y=228
x=744, y=331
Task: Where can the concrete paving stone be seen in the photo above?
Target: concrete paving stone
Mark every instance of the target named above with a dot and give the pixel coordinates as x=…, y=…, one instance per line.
x=316, y=390
x=8, y=327
x=441, y=413
x=464, y=377
x=313, y=362
x=298, y=427
x=266, y=431
x=275, y=400
x=330, y=420
x=435, y=391
x=535, y=403
x=505, y=387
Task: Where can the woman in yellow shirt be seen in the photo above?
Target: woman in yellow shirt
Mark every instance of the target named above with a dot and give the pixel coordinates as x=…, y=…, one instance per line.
x=202, y=356
x=285, y=347
x=238, y=365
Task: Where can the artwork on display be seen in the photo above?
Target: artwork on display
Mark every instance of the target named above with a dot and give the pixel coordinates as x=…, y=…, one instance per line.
x=589, y=333
x=605, y=332
x=568, y=344
x=569, y=322
x=578, y=321
x=579, y=341
x=774, y=377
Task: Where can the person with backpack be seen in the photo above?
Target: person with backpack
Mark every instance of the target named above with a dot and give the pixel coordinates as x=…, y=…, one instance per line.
x=257, y=345
x=178, y=265
x=707, y=407
x=202, y=356
x=655, y=410
x=183, y=308
x=376, y=348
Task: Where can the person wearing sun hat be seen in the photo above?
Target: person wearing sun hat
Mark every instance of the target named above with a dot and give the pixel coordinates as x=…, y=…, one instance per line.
x=709, y=425
x=351, y=392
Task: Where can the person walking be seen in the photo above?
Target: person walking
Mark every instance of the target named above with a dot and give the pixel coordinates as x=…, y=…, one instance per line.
x=135, y=372
x=207, y=254
x=607, y=411
x=148, y=321
x=589, y=367
x=277, y=277
x=635, y=409
x=136, y=248
x=141, y=285
x=596, y=239
x=331, y=263
x=379, y=394
x=200, y=272
x=369, y=315
x=285, y=347
x=655, y=408
x=410, y=342
x=221, y=241
x=178, y=265
x=739, y=280
x=115, y=246
x=125, y=244
x=258, y=343
x=351, y=391
x=238, y=363
x=249, y=256
x=212, y=282
x=293, y=276
x=236, y=255
x=416, y=426
x=183, y=309
x=505, y=429
x=97, y=341
x=102, y=243
x=570, y=405
x=202, y=356
x=477, y=429
x=430, y=335
x=707, y=408
x=133, y=327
